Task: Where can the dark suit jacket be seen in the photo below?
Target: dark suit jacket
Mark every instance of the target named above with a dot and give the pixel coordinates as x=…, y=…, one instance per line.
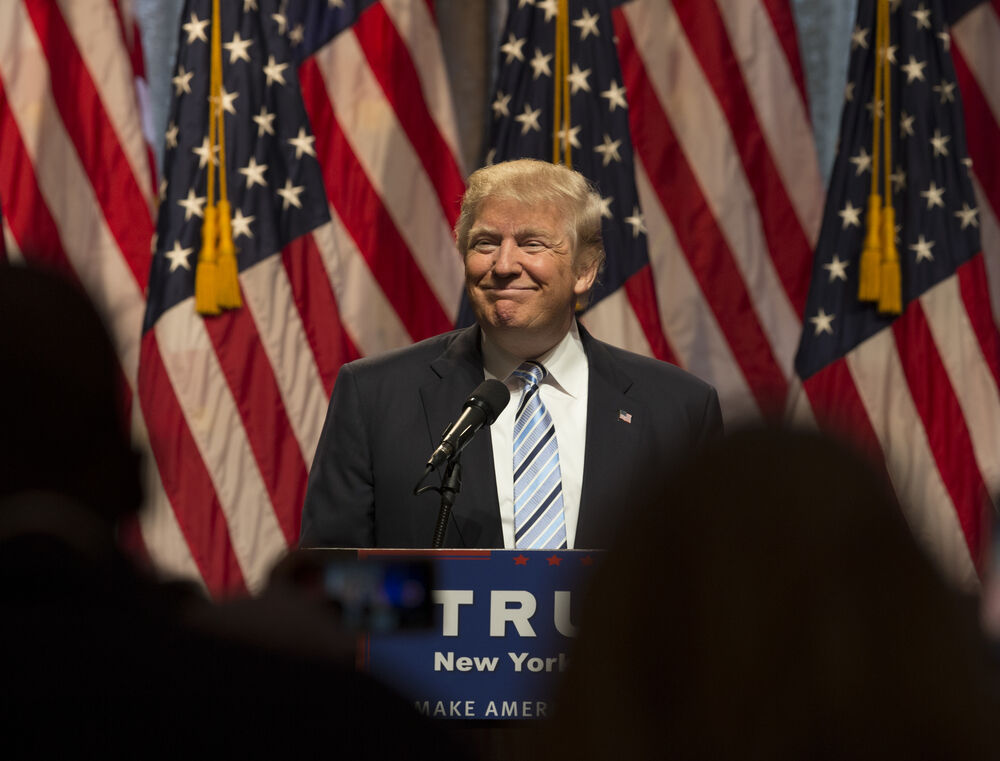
x=388, y=413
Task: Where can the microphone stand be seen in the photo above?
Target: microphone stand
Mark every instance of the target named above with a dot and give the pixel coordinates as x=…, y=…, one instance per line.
x=451, y=485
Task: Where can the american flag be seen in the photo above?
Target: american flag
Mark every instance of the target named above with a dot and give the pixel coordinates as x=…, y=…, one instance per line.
x=975, y=50
x=232, y=401
x=708, y=262
x=725, y=170
x=236, y=402
x=922, y=387
x=380, y=105
x=729, y=189
x=729, y=196
x=76, y=172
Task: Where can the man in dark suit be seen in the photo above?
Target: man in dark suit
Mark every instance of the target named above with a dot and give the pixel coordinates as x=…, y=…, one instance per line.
x=587, y=425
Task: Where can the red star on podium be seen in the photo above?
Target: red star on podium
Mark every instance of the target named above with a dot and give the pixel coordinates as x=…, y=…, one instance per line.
x=521, y=560
x=554, y=560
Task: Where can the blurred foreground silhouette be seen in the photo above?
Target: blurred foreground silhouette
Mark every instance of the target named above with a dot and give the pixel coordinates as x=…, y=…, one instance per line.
x=771, y=603
x=95, y=654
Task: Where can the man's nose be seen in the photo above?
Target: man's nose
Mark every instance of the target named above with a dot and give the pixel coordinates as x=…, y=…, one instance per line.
x=508, y=261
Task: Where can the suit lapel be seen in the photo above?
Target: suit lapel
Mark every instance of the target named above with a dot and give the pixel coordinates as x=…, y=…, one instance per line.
x=610, y=456
x=476, y=513
x=614, y=428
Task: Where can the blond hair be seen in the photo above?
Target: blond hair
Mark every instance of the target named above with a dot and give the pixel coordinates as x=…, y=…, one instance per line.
x=532, y=182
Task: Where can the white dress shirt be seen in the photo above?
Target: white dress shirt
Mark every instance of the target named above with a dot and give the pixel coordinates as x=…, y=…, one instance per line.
x=564, y=393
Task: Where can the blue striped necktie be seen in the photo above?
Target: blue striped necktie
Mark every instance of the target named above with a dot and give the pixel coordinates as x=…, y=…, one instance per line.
x=539, y=521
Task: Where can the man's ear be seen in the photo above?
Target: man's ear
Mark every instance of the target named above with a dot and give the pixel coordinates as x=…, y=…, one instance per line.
x=585, y=277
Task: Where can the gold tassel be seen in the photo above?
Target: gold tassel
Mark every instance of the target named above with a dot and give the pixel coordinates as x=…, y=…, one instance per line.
x=870, y=266
x=871, y=254
x=216, y=283
x=890, y=298
x=228, y=276
x=206, y=299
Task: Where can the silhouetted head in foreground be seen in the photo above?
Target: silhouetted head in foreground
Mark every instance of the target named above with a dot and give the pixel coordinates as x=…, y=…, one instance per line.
x=103, y=651
x=772, y=603
x=61, y=414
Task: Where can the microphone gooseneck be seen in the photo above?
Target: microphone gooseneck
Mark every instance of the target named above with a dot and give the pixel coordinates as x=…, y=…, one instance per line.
x=480, y=409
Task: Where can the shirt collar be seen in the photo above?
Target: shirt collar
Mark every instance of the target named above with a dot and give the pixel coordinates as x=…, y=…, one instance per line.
x=565, y=363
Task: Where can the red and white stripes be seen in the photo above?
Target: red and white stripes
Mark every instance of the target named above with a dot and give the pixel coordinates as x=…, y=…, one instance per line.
x=732, y=200
x=925, y=393
x=248, y=390
x=732, y=197
x=730, y=187
x=976, y=52
x=388, y=153
x=75, y=169
x=232, y=407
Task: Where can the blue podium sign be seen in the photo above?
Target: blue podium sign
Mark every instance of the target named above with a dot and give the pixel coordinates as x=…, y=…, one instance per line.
x=503, y=626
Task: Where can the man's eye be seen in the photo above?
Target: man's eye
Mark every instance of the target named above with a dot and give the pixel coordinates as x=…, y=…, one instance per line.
x=532, y=245
x=482, y=245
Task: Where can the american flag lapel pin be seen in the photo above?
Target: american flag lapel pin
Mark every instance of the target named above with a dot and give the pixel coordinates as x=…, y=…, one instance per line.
x=625, y=417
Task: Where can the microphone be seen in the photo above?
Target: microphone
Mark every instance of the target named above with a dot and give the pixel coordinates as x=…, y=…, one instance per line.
x=481, y=408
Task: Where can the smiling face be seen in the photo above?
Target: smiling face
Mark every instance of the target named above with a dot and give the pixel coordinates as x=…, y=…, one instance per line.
x=521, y=275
